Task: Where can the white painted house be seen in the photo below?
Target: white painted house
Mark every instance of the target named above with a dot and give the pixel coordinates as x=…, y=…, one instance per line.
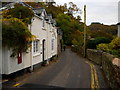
x=43, y=48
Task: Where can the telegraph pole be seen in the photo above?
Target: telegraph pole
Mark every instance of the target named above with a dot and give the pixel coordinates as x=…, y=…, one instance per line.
x=84, y=30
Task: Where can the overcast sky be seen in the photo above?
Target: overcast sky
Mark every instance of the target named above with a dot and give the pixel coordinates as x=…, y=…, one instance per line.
x=103, y=11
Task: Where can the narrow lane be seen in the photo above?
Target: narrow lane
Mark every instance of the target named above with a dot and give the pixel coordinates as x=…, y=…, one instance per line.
x=72, y=71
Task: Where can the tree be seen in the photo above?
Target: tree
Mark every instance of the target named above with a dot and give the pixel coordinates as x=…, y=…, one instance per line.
x=109, y=29
x=20, y=12
x=73, y=9
x=78, y=38
x=95, y=34
x=63, y=21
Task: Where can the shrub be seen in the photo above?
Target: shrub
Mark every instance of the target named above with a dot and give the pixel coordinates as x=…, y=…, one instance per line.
x=103, y=47
x=112, y=48
x=114, y=52
x=92, y=44
x=115, y=43
x=115, y=46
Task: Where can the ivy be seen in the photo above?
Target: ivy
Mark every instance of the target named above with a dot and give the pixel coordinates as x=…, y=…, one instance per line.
x=20, y=12
x=15, y=35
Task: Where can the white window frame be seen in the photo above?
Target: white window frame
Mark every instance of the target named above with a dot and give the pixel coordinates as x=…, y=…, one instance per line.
x=35, y=46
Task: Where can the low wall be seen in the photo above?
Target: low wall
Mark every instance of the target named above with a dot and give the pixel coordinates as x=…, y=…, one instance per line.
x=110, y=66
x=94, y=56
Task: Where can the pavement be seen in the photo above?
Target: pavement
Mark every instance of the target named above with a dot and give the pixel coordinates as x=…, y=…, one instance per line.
x=69, y=71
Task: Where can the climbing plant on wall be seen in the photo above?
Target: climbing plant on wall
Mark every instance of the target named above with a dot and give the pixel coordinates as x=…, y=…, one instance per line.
x=15, y=32
x=15, y=35
x=20, y=12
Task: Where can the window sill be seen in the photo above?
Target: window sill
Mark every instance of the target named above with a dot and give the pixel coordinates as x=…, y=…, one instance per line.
x=36, y=54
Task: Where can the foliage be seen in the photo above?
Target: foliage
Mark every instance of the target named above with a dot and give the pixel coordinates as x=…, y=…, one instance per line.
x=95, y=34
x=112, y=48
x=16, y=35
x=115, y=43
x=77, y=38
x=72, y=9
x=69, y=26
x=63, y=21
x=54, y=10
x=103, y=47
x=35, y=4
x=92, y=44
x=64, y=15
x=115, y=52
x=109, y=29
x=20, y=12
x=59, y=9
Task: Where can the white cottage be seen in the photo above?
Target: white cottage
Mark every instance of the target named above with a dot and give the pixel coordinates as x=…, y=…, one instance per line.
x=43, y=48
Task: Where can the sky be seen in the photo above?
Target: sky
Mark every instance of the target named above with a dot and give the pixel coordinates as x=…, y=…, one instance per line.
x=103, y=11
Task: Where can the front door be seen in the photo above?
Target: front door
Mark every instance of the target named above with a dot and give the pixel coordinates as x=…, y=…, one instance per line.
x=19, y=58
x=43, y=50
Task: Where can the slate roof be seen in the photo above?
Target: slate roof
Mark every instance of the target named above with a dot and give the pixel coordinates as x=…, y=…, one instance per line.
x=38, y=11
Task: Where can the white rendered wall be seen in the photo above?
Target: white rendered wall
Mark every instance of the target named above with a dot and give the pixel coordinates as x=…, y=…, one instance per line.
x=10, y=64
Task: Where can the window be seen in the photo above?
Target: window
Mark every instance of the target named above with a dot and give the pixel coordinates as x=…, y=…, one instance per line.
x=35, y=46
x=52, y=44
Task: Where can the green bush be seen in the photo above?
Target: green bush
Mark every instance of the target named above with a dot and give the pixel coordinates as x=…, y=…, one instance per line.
x=112, y=48
x=103, y=47
x=115, y=47
x=92, y=44
x=115, y=43
x=114, y=52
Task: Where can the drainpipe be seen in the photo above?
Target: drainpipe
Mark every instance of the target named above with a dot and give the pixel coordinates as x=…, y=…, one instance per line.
x=31, y=51
x=47, y=43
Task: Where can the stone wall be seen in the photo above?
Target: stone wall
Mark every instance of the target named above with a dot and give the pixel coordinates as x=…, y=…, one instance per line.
x=95, y=56
x=110, y=66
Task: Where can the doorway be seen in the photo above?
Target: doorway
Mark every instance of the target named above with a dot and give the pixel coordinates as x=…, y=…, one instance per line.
x=43, y=49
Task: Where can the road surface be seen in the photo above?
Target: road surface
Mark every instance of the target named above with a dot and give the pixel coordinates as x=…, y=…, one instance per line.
x=70, y=71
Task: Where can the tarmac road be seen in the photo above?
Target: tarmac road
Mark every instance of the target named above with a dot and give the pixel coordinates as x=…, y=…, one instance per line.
x=71, y=71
